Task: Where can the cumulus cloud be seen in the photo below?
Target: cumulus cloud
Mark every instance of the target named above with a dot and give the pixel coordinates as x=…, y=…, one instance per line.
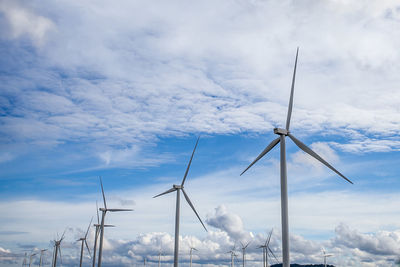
x=230, y=223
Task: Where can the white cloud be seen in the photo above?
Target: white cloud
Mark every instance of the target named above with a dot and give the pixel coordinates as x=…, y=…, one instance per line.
x=23, y=21
x=152, y=75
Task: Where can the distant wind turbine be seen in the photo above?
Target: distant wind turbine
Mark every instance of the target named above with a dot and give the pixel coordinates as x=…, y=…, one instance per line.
x=41, y=257
x=83, y=239
x=233, y=255
x=24, y=263
x=103, y=215
x=159, y=258
x=266, y=250
x=30, y=258
x=57, y=249
x=178, y=188
x=325, y=256
x=284, y=196
x=244, y=251
x=191, y=250
x=96, y=234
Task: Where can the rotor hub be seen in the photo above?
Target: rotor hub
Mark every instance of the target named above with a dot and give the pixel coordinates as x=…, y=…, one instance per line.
x=281, y=131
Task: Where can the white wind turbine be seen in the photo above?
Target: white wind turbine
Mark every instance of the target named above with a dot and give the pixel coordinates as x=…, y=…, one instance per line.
x=24, y=263
x=244, y=251
x=41, y=257
x=178, y=189
x=30, y=258
x=191, y=252
x=284, y=196
x=326, y=256
x=96, y=235
x=233, y=255
x=266, y=250
x=57, y=249
x=83, y=240
x=159, y=258
x=103, y=215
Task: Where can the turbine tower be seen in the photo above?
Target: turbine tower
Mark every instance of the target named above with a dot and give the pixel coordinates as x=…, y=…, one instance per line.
x=41, y=257
x=83, y=239
x=159, y=258
x=191, y=250
x=282, y=133
x=178, y=189
x=326, y=256
x=57, y=249
x=96, y=235
x=266, y=250
x=103, y=215
x=244, y=251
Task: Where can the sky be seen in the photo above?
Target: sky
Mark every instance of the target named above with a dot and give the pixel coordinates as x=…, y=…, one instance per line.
x=123, y=89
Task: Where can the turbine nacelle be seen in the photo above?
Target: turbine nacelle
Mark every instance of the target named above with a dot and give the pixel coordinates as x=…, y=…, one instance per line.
x=177, y=186
x=281, y=131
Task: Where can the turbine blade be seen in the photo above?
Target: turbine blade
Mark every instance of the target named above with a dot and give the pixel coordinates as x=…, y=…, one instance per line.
x=87, y=231
x=269, y=238
x=166, y=192
x=265, y=151
x=114, y=210
x=190, y=162
x=289, y=114
x=191, y=205
x=272, y=254
x=102, y=191
x=88, y=249
x=62, y=237
x=97, y=212
x=315, y=155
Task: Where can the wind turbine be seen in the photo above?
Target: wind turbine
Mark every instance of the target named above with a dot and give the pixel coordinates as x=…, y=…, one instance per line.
x=41, y=257
x=96, y=234
x=30, y=258
x=326, y=256
x=191, y=250
x=266, y=250
x=233, y=255
x=83, y=239
x=103, y=215
x=244, y=251
x=24, y=263
x=178, y=188
x=284, y=197
x=57, y=244
x=159, y=258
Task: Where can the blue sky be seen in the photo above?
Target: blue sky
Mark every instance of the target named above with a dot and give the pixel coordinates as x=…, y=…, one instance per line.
x=122, y=91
